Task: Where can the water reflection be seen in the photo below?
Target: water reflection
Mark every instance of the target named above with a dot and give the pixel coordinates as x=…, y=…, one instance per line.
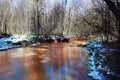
x=57, y=61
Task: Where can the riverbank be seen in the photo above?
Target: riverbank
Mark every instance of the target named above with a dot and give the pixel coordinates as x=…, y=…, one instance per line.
x=101, y=61
x=15, y=41
x=12, y=41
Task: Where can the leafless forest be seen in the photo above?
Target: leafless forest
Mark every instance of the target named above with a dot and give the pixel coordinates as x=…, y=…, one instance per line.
x=86, y=20
x=72, y=19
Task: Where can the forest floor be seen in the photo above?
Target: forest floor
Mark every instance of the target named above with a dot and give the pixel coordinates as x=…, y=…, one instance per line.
x=103, y=59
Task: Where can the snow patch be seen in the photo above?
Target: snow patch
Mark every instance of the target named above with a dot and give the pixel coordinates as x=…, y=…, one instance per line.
x=7, y=42
x=94, y=47
x=97, y=48
x=17, y=38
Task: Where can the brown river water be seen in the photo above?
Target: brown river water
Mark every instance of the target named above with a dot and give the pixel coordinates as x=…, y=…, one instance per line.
x=56, y=61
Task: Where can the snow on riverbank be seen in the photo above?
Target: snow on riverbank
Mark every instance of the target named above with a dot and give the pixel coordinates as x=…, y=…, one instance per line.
x=17, y=38
x=7, y=42
x=95, y=48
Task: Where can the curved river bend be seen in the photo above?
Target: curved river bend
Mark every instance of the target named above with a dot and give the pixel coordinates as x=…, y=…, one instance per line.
x=57, y=61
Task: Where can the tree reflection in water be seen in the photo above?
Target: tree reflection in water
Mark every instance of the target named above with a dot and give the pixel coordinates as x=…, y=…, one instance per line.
x=57, y=61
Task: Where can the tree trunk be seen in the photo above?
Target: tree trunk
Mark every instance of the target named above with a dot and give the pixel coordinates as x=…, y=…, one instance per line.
x=116, y=11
